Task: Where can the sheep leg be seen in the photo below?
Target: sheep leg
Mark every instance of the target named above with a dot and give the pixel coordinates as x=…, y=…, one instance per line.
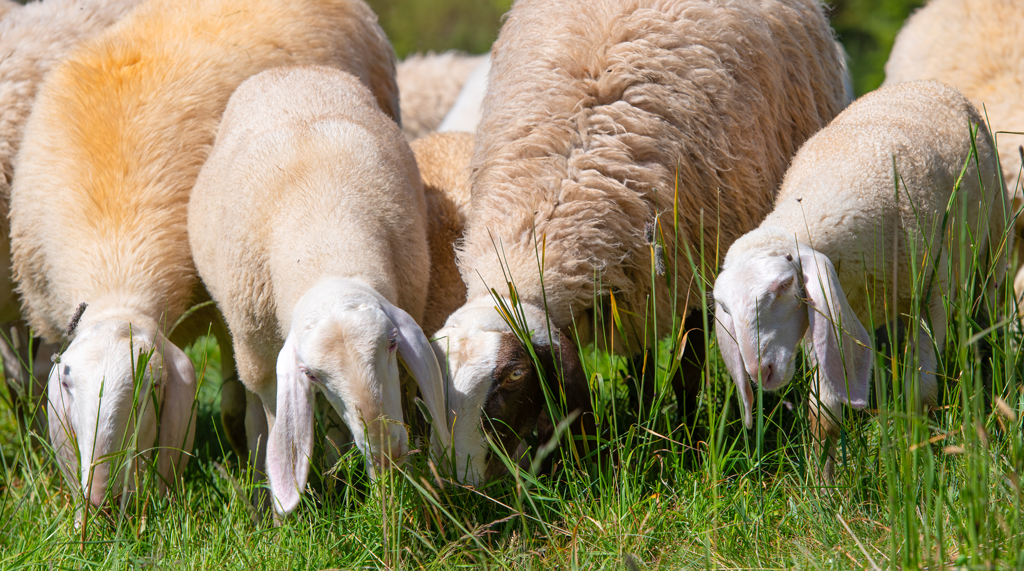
x=824, y=414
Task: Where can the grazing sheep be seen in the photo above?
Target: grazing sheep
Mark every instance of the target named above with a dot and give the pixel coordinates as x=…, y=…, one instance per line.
x=443, y=160
x=975, y=46
x=100, y=196
x=308, y=225
x=592, y=116
x=33, y=39
x=821, y=266
x=464, y=114
x=429, y=84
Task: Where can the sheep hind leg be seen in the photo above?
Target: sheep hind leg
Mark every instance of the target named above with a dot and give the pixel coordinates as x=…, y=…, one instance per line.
x=26, y=375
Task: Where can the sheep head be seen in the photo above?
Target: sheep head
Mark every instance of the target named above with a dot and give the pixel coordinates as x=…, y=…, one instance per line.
x=768, y=298
x=345, y=340
x=495, y=390
x=117, y=388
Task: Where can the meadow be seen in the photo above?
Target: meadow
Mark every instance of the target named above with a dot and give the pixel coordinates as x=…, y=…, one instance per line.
x=935, y=490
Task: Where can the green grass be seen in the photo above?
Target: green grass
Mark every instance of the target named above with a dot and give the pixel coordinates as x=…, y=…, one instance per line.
x=912, y=491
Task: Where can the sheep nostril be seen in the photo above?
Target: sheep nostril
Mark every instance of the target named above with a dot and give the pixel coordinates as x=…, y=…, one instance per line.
x=765, y=374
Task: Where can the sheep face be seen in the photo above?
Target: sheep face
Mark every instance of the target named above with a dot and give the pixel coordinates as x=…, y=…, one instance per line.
x=759, y=309
x=767, y=300
x=104, y=397
x=494, y=388
x=345, y=341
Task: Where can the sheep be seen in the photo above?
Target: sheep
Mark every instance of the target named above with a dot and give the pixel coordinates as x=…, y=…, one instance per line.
x=308, y=225
x=592, y=116
x=464, y=114
x=828, y=259
x=6, y=6
x=443, y=160
x=33, y=39
x=976, y=47
x=429, y=84
x=99, y=202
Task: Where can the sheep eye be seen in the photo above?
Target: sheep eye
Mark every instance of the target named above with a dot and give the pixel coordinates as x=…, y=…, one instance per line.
x=515, y=376
x=309, y=375
x=724, y=308
x=393, y=340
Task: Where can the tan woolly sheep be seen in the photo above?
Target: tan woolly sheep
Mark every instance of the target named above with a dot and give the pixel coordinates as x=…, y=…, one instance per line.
x=308, y=225
x=821, y=266
x=443, y=160
x=99, y=203
x=33, y=39
x=976, y=46
x=592, y=115
x=429, y=85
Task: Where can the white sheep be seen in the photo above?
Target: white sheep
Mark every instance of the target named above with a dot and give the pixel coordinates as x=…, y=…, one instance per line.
x=308, y=225
x=33, y=38
x=594, y=114
x=429, y=84
x=975, y=46
x=841, y=242
x=464, y=114
x=99, y=202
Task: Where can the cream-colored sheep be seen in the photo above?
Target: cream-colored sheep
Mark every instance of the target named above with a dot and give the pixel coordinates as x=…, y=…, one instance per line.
x=821, y=266
x=32, y=39
x=593, y=114
x=308, y=225
x=977, y=47
x=443, y=160
x=429, y=85
x=99, y=202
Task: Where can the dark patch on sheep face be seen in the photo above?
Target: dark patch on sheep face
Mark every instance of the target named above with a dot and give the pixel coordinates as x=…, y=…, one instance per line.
x=515, y=405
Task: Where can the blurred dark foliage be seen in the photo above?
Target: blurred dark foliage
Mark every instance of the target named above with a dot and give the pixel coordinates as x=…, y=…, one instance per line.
x=438, y=25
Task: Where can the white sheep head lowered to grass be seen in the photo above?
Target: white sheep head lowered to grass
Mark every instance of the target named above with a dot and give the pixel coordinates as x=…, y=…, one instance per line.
x=344, y=340
x=106, y=393
x=496, y=392
x=771, y=297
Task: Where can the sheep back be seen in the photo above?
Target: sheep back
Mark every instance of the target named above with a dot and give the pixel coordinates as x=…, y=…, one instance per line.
x=839, y=197
x=121, y=128
x=443, y=160
x=308, y=179
x=600, y=121
x=429, y=84
x=33, y=39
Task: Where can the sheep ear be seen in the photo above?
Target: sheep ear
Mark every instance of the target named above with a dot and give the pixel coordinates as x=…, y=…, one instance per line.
x=419, y=357
x=725, y=332
x=59, y=409
x=290, y=444
x=565, y=376
x=845, y=367
x=177, y=412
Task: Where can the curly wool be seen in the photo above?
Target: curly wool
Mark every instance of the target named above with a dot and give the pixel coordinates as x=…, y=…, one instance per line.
x=598, y=116
x=33, y=39
x=121, y=128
